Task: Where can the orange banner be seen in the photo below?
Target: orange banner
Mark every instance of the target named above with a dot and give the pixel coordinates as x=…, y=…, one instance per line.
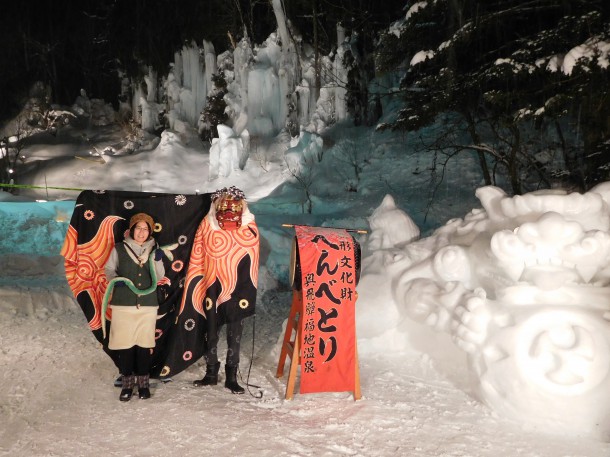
x=328, y=334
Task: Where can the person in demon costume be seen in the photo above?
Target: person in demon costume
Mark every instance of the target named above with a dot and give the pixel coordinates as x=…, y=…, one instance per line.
x=228, y=267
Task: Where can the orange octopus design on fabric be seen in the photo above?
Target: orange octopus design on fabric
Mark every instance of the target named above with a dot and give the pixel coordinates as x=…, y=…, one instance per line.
x=84, y=265
x=216, y=255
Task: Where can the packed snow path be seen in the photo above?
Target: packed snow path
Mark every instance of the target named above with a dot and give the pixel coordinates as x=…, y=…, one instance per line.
x=58, y=400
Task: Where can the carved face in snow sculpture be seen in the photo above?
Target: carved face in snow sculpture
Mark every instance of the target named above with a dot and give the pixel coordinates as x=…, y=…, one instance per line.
x=523, y=286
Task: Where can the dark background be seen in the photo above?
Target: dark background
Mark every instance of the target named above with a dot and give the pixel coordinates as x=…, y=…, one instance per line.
x=74, y=44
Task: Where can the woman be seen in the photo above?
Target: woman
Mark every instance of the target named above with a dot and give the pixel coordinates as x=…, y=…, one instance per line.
x=134, y=316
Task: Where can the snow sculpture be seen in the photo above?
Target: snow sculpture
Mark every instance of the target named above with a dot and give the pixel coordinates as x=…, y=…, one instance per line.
x=388, y=215
x=82, y=104
x=98, y=111
x=523, y=286
x=306, y=152
x=390, y=228
x=102, y=113
x=227, y=152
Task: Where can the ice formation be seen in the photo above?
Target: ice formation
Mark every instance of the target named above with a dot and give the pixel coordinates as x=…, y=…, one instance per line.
x=270, y=87
x=305, y=153
x=227, y=152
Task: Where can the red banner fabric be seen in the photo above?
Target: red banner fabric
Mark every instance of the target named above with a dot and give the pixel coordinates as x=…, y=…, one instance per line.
x=328, y=335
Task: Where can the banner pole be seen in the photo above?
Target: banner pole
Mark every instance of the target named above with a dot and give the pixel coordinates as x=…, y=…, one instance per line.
x=334, y=228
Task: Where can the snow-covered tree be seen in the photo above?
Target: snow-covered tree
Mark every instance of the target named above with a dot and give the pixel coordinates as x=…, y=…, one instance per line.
x=507, y=68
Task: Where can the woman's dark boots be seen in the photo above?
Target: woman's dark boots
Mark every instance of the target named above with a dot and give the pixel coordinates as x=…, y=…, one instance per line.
x=144, y=387
x=127, y=387
x=231, y=380
x=211, y=376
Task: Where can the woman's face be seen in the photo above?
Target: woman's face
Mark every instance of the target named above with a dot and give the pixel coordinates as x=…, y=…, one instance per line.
x=141, y=232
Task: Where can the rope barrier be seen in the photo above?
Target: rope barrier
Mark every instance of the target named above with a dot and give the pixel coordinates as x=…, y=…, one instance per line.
x=26, y=186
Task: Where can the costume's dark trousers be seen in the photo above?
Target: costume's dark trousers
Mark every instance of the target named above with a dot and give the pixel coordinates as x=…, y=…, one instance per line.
x=234, y=331
x=135, y=360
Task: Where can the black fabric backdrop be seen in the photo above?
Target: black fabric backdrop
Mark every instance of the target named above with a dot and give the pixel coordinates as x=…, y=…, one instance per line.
x=100, y=219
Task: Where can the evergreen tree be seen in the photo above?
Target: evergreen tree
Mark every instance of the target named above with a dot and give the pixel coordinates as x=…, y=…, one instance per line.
x=491, y=63
x=214, y=111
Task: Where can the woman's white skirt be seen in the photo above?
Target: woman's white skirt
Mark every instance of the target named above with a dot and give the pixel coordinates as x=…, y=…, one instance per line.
x=132, y=326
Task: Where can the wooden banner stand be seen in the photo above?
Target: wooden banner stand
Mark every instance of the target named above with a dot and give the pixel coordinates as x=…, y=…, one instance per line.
x=291, y=348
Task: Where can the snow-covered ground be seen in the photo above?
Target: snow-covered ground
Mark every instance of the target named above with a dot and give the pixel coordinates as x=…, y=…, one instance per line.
x=418, y=395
